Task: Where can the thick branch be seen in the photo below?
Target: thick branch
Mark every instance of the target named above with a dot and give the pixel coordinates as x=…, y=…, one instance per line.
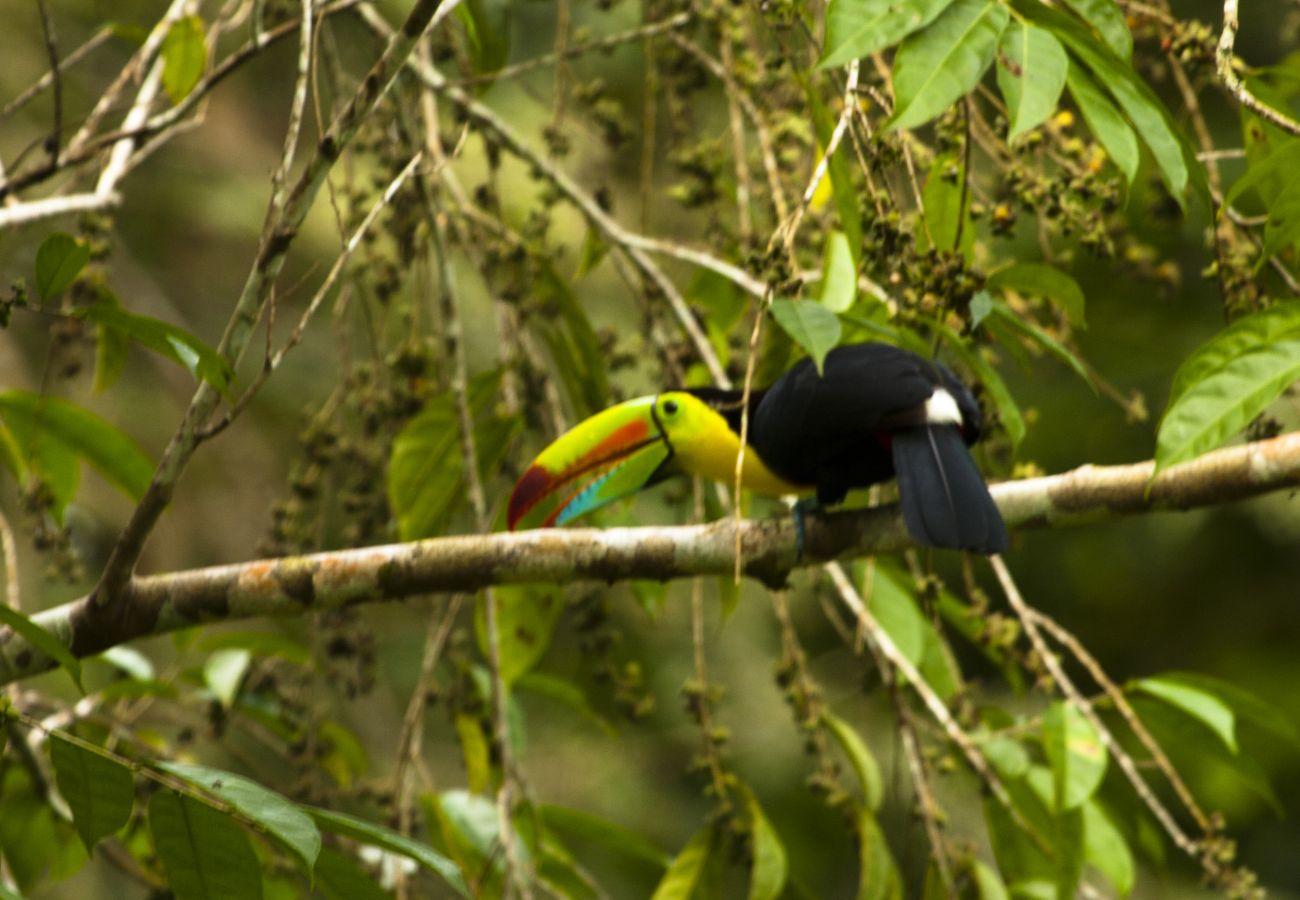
x=290, y=586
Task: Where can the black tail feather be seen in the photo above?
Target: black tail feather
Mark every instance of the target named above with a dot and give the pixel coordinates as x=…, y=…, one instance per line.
x=944, y=498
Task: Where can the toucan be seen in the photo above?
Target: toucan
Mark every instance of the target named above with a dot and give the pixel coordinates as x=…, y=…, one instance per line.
x=874, y=412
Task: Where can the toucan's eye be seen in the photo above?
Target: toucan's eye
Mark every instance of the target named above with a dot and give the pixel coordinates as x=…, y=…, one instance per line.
x=670, y=407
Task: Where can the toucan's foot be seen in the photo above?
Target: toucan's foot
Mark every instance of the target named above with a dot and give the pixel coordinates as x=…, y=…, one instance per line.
x=802, y=507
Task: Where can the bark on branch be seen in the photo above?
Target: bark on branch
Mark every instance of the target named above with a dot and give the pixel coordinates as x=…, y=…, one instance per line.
x=292, y=585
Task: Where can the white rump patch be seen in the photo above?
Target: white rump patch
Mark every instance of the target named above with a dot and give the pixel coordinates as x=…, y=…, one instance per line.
x=942, y=409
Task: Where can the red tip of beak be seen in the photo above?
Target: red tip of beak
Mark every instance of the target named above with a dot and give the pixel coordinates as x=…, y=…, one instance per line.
x=529, y=489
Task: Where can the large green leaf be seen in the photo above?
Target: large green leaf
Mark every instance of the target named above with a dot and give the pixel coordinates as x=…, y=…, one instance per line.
x=387, y=839
x=1043, y=280
x=1246, y=707
x=1229, y=381
x=1105, y=848
x=1078, y=757
x=892, y=602
x=38, y=418
x=37, y=845
x=946, y=202
x=810, y=325
x=1174, y=156
x=1107, y=123
x=59, y=260
x=206, y=854
x=1201, y=705
x=425, y=474
x=99, y=790
x=935, y=67
x=1032, y=66
x=281, y=819
x=858, y=28
x=1107, y=19
x=1001, y=315
x=43, y=640
x=166, y=340
x=684, y=871
x=839, y=287
x=223, y=673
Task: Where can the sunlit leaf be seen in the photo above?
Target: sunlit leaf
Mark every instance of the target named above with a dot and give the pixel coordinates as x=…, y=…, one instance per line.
x=839, y=275
x=1107, y=850
x=1076, y=753
x=184, y=56
x=259, y=643
x=1108, y=124
x=223, y=673
x=100, y=791
x=207, y=855
x=130, y=661
x=810, y=325
x=283, y=820
x=1229, y=381
x=987, y=883
x=1247, y=707
x=1200, y=705
x=844, y=189
x=935, y=67
x=1042, y=280
x=474, y=753
x=59, y=260
x=858, y=28
x=1031, y=71
x=168, y=341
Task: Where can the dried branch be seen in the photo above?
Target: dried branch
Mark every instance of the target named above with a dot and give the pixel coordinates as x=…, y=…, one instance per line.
x=1228, y=74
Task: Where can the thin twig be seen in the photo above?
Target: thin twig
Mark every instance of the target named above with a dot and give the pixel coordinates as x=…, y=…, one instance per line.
x=1234, y=84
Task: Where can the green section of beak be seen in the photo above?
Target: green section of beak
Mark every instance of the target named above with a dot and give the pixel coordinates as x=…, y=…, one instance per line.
x=611, y=455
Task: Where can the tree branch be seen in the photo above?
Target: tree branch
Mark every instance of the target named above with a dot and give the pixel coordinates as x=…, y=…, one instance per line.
x=292, y=585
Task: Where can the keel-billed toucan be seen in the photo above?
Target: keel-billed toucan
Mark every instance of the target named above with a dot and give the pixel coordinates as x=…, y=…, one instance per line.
x=875, y=413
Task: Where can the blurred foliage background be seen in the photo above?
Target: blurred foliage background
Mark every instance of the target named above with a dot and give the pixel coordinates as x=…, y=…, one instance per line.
x=304, y=467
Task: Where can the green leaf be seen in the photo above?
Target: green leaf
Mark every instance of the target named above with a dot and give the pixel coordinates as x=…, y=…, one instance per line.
x=387, y=839
x=988, y=885
x=839, y=274
x=1105, y=848
x=1247, y=707
x=259, y=643
x=59, y=261
x=608, y=834
x=110, y=356
x=526, y=619
x=813, y=327
x=38, y=847
x=1008, y=411
x=1007, y=755
x=206, y=854
x=129, y=660
x=1200, y=705
x=947, y=209
x=99, y=790
x=891, y=601
x=1042, y=280
x=474, y=752
x=38, y=417
x=184, y=56
x=425, y=483
x=858, y=28
x=1107, y=123
x=283, y=820
x=1002, y=314
x=166, y=340
x=769, y=869
x=937, y=66
x=572, y=343
x=1076, y=753
x=1229, y=381
x=223, y=673
x=684, y=871
x=1175, y=158
x=1107, y=19
x=44, y=641
x=844, y=190
x=11, y=454
x=860, y=757
x=1032, y=66
x=487, y=26
x=564, y=692
x=1267, y=176
x=878, y=877
x=340, y=877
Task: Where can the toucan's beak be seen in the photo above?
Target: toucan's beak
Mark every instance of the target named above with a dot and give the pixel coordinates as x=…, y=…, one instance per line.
x=614, y=453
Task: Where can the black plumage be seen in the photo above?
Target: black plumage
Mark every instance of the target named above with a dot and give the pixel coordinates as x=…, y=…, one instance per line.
x=867, y=419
